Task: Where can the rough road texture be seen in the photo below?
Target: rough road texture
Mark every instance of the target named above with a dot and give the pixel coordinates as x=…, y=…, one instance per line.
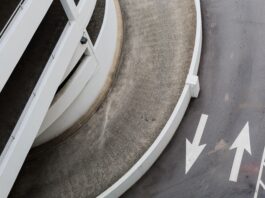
x=158, y=44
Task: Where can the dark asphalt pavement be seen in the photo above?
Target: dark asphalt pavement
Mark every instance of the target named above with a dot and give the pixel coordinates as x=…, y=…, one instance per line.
x=232, y=77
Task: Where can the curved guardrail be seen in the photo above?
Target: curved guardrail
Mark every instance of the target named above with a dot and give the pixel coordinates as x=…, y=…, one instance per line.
x=191, y=89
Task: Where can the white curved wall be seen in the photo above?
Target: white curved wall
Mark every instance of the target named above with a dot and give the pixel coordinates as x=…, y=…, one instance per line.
x=105, y=50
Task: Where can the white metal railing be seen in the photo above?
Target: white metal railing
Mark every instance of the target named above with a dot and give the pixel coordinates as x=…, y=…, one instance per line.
x=27, y=127
x=72, y=89
x=13, y=42
x=19, y=6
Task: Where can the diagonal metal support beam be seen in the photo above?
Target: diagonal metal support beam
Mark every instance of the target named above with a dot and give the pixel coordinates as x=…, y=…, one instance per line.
x=70, y=9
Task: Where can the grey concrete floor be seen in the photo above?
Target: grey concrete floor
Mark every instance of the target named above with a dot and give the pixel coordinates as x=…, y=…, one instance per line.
x=156, y=54
x=232, y=76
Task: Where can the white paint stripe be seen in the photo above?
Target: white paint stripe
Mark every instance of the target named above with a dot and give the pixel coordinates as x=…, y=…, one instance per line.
x=241, y=144
x=200, y=129
x=262, y=185
x=236, y=165
x=193, y=150
x=145, y=162
x=259, y=182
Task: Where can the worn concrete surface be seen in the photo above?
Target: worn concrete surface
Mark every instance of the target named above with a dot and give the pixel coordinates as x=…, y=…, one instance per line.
x=21, y=83
x=157, y=49
x=232, y=77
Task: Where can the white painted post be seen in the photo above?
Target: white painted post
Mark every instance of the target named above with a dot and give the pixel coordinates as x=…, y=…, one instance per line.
x=193, y=82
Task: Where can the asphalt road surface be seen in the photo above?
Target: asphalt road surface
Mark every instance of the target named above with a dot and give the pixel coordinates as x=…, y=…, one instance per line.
x=232, y=77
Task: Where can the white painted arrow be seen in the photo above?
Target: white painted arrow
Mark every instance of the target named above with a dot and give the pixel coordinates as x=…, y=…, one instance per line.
x=241, y=143
x=193, y=150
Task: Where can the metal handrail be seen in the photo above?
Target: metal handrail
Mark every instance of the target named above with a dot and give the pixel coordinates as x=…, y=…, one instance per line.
x=19, y=6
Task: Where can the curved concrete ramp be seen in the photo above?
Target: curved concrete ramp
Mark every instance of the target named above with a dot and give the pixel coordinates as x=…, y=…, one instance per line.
x=156, y=54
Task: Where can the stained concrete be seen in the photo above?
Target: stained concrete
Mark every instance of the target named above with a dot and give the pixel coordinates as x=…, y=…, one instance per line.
x=156, y=54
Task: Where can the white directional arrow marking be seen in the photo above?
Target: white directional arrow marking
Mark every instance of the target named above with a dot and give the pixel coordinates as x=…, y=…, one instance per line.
x=193, y=150
x=241, y=143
